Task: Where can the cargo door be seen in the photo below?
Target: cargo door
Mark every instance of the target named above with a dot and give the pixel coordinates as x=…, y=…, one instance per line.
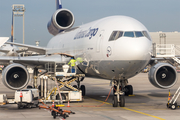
x=99, y=41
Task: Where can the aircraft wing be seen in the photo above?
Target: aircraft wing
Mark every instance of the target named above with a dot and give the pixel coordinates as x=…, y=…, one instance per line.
x=22, y=50
x=33, y=60
x=37, y=49
x=4, y=51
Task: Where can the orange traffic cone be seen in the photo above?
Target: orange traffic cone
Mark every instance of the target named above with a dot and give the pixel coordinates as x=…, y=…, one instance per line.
x=169, y=97
x=68, y=104
x=53, y=104
x=21, y=94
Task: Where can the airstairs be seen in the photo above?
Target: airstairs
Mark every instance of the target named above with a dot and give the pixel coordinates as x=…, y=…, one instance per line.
x=169, y=51
x=176, y=60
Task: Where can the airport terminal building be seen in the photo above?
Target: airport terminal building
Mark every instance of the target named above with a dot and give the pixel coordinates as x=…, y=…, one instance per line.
x=166, y=37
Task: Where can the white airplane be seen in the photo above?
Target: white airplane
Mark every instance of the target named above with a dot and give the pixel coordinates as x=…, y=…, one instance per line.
x=9, y=50
x=6, y=49
x=3, y=40
x=115, y=48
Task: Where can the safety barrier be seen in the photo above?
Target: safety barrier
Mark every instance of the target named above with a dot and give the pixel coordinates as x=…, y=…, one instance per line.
x=165, y=50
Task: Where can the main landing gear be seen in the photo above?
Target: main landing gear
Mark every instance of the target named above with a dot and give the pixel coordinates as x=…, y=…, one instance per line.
x=120, y=89
x=80, y=87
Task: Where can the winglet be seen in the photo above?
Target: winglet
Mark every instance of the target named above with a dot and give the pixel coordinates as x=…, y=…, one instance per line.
x=3, y=40
x=58, y=4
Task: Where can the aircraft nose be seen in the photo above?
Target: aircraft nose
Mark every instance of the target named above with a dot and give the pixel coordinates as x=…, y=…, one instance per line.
x=133, y=49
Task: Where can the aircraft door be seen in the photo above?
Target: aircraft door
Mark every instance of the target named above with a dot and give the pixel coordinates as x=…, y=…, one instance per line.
x=99, y=41
x=109, y=51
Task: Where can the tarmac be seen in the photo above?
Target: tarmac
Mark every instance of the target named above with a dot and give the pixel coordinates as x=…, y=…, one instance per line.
x=147, y=103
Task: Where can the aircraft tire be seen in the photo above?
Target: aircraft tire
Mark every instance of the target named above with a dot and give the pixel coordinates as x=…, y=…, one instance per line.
x=129, y=90
x=122, y=101
x=115, y=101
x=83, y=90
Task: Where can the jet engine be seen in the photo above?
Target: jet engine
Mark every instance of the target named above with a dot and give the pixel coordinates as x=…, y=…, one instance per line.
x=62, y=19
x=15, y=76
x=163, y=75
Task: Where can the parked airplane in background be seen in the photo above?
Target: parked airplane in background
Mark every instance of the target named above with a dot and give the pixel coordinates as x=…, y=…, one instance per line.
x=115, y=48
x=3, y=40
x=6, y=49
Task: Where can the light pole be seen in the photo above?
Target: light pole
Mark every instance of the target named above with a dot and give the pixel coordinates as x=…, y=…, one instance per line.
x=18, y=10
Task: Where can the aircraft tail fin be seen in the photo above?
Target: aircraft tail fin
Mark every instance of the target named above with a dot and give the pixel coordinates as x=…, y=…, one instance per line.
x=58, y=4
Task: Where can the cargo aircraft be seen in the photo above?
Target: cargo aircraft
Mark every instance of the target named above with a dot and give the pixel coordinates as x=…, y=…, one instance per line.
x=114, y=48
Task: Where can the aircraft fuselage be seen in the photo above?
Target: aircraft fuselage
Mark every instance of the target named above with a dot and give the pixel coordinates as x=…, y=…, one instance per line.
x=112, y=47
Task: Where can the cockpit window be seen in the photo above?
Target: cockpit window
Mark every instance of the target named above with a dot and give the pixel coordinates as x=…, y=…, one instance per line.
x=115, y=35
x=138, y=34
x=146, y=35
x=129, y=34
x=119, y=34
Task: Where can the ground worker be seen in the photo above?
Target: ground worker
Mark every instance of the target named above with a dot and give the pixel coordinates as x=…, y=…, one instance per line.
x=79, y=59
x=73, y=64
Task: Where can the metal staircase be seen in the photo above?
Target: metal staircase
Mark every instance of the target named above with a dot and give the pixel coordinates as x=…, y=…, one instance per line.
x=176, y=60
x=168, y=52
x=164, y=50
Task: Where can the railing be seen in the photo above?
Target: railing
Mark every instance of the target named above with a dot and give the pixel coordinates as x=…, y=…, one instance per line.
x=177, y=50
x=165, y=50
x=176, y=59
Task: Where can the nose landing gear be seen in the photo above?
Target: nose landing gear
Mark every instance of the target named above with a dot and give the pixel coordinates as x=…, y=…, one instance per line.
x=120, y=100
x=120, y=89
x=118, y=94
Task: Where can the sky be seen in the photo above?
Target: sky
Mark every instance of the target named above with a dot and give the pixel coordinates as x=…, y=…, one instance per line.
x=156, y=15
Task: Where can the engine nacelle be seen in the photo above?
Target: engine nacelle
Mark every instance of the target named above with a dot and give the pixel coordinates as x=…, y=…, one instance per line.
x=62, y=19
x=15, y=76
x=163, y=75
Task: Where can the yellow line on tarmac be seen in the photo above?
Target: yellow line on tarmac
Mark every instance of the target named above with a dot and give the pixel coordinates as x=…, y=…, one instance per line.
x=131, y=110
x=143, y=113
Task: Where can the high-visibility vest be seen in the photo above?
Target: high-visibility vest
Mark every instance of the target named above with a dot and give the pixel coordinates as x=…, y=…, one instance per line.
x=72, y=62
